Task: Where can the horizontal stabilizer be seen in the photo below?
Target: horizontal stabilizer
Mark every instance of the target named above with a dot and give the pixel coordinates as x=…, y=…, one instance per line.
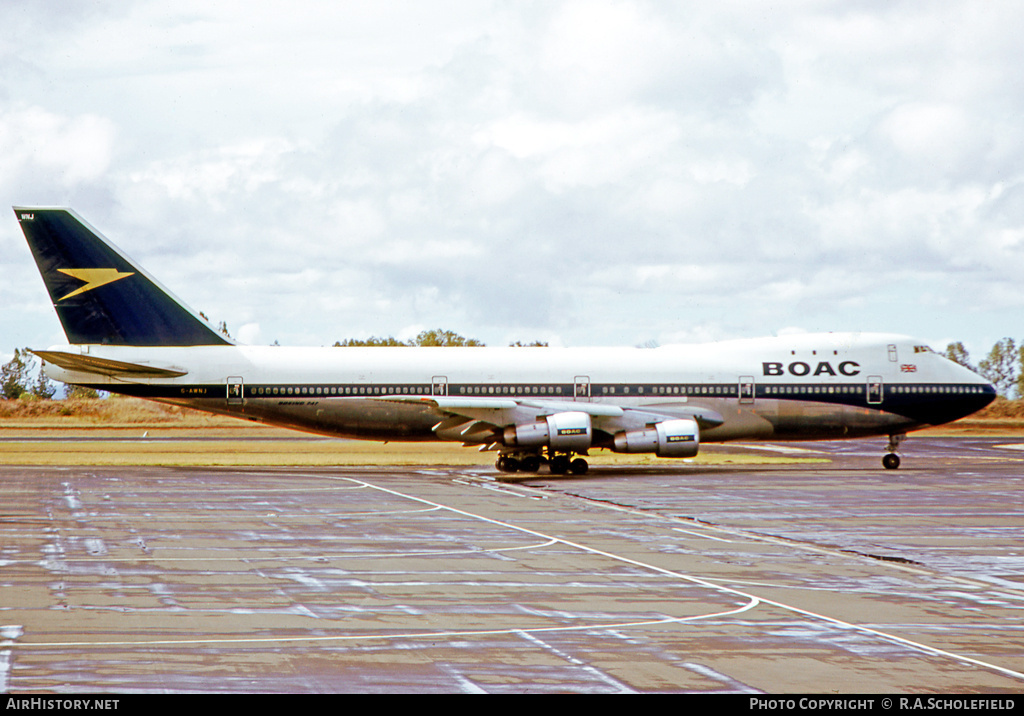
x=105, y=366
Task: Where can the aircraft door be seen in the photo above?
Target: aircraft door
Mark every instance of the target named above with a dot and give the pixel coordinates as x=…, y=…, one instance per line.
x=439, y=385
x=581, y=391
x=875, y=390
x=746, y=390
x=236, y=390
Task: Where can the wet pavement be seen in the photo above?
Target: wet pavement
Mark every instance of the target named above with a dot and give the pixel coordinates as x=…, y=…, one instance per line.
x=840, y=577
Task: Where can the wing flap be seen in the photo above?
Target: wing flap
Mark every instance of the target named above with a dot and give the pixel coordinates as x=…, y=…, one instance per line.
x=649, y=415
x=497, y=412
x=457, y=411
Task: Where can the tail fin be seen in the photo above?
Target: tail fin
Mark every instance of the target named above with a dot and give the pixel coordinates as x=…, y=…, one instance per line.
x=100, y=295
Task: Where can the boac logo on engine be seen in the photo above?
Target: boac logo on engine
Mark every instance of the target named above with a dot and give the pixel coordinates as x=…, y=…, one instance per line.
x=798, y=368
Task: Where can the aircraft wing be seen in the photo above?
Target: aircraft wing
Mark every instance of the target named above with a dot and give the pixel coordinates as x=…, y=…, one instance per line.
x=105, y=366
x=479, y=420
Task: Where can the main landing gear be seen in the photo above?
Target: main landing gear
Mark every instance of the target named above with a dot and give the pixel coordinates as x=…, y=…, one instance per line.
x=558, y=463
x=891, y=461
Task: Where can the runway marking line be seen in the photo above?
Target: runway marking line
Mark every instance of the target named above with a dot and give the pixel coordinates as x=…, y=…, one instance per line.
x=298, y=554
x=382, y=637
x=752, y=601
x=712, y=585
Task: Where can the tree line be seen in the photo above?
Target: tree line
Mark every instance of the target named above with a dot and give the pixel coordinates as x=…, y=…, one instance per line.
x=435, y=337
x=1003, y=367
x=22, y=378
x=16, y=378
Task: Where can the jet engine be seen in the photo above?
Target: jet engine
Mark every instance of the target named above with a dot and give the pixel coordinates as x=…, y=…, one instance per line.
x=569, y=431
x=669, y=438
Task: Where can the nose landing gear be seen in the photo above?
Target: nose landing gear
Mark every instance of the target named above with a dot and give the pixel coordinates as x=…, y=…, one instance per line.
x=891, y=461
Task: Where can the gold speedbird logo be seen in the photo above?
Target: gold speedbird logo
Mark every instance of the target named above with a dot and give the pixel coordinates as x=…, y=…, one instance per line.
x=94, y=278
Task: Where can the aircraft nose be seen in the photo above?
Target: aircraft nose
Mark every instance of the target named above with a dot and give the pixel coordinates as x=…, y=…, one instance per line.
x=953, y=404
x=989, y=392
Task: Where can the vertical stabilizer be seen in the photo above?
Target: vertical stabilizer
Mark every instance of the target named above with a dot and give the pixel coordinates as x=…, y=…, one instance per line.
x=100, y=295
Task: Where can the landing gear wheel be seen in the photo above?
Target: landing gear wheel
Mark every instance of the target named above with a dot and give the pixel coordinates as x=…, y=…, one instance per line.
x=507, y=464
x=891, y=461
x=579, y=466
x=530, y=463
x=559, y=464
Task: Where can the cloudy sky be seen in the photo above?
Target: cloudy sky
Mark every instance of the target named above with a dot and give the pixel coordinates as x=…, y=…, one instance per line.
x=585, y=173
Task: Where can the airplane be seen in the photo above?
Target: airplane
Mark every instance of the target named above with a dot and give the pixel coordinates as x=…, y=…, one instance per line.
x=127, y=334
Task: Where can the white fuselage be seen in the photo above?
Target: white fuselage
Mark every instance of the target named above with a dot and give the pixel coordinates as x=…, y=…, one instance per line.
x=790, y=387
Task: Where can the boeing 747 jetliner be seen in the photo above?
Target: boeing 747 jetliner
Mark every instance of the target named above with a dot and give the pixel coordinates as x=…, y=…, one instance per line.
x=127, y=334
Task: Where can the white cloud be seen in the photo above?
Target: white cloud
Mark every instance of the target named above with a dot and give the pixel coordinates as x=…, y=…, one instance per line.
x=927, y=130
x=605, y=171
x=65, y=150
x=602, y=149
x=249, y=334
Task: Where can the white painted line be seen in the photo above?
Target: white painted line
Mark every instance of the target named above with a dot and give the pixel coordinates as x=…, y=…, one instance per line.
x=620, y=687
x=701, y=535
x=711, y=585
x=776, y=448
x=9, y=633
x=384, y=637
x=751, y=601
x=289, y=554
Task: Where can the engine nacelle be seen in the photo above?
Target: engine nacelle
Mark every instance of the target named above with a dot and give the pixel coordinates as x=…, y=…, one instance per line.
x=570, y=431
x=669, y=438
